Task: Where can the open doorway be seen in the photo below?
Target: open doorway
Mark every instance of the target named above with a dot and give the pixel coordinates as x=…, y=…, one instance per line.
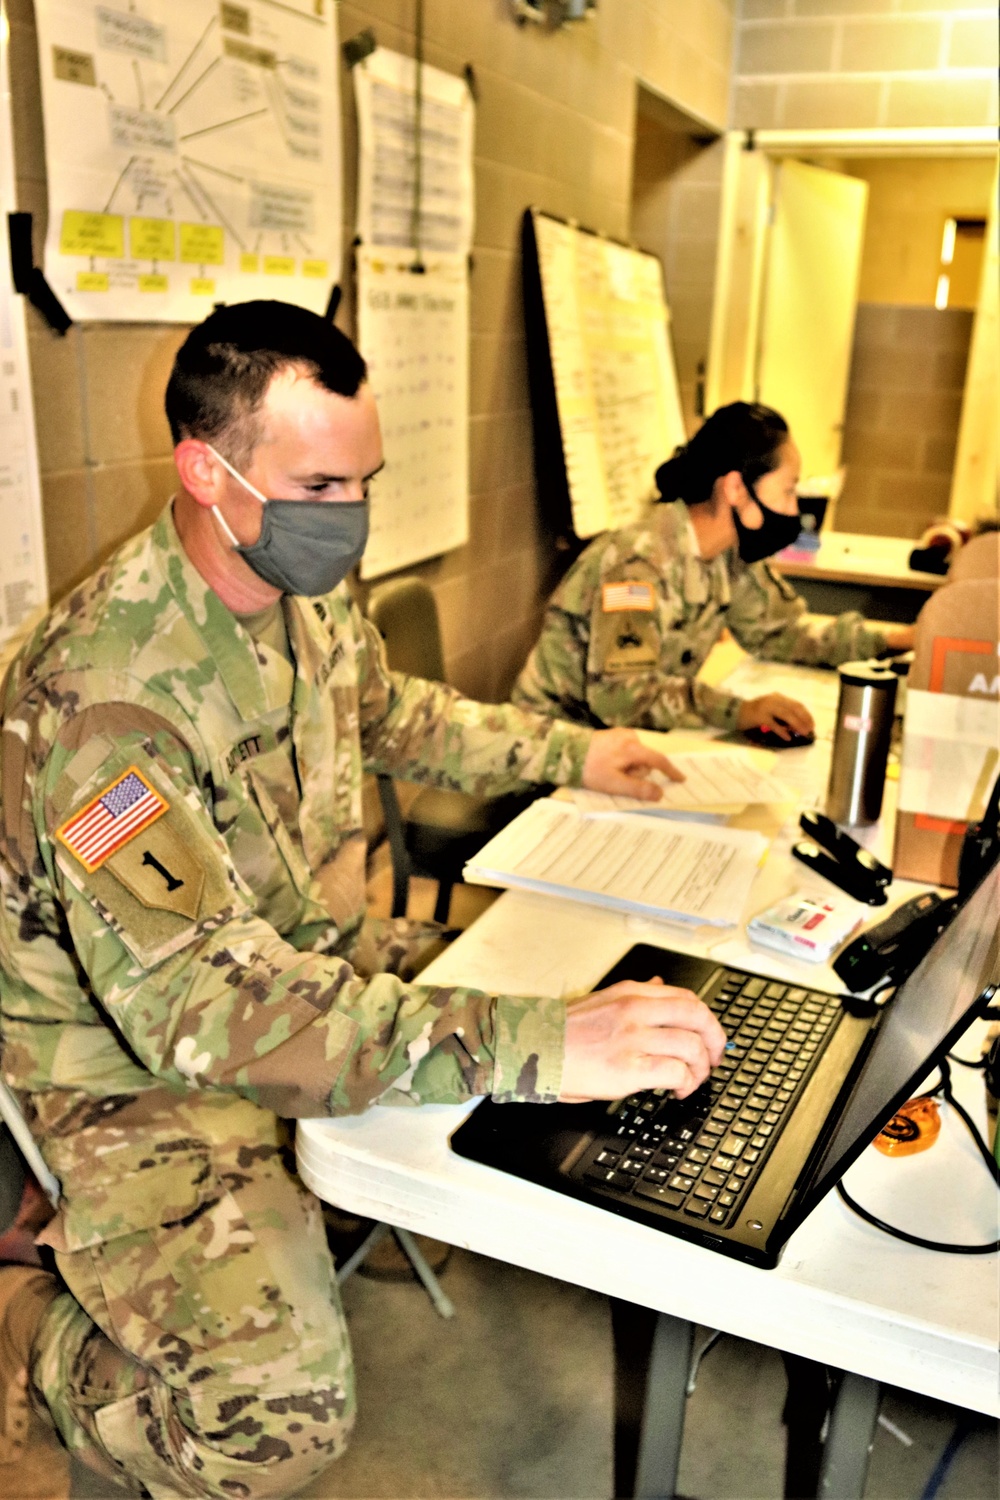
x=920, y=272
x=914, y=422
x=676, y=189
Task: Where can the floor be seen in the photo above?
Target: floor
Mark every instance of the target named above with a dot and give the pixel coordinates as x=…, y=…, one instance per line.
x=513, y=1396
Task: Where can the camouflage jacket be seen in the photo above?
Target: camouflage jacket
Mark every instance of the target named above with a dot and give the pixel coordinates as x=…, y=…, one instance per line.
x=182, y=858
x=631, y=624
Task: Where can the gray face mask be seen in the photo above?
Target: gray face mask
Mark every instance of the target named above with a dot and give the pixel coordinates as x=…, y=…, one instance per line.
x=305, y=547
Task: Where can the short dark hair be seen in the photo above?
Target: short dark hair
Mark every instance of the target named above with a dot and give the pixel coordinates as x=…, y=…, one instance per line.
x=744, y=436
x=225, y=365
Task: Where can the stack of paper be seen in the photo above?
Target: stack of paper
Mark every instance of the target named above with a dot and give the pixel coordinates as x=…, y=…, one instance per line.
x=644, y=865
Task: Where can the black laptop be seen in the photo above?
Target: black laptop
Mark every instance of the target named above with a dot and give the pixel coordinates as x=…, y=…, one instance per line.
x=808, y=1080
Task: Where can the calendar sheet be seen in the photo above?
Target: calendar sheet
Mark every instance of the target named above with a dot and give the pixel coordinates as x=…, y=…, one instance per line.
x=413, y=331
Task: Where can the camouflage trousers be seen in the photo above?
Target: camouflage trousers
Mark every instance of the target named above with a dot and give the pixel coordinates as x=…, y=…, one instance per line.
x=199, y=1348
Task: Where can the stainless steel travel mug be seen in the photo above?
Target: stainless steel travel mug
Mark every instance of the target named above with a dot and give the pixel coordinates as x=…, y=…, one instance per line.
x=861, y=742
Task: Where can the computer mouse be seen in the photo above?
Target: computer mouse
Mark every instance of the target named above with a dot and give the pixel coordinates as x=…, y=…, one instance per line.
x=771, y=740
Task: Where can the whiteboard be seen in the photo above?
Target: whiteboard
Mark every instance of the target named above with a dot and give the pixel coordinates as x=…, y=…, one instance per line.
x=23, y=585
x=193, y=154
x=611, y=367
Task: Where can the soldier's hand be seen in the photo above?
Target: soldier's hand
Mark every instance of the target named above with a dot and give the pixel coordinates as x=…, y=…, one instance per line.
x=899, y=637
x=639, y=1036
x=618, y=762
x=776, y=712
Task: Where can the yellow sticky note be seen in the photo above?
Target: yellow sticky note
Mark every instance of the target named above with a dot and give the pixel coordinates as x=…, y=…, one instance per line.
x=203, y=244
x=92, y=234
x=154, y=283
x=202, y=286
x=152, y=239
x=318, y=268
x=91, y=281
x=279, y=265
x=250, y=263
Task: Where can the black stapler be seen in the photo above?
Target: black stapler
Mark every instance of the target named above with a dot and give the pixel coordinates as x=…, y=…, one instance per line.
x=838, y=858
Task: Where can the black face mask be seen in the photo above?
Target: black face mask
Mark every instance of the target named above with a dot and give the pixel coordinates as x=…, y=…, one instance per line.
x=776, y=531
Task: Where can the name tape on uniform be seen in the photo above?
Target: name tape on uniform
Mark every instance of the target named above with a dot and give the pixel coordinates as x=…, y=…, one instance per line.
x=114, y=817
x=622, y=596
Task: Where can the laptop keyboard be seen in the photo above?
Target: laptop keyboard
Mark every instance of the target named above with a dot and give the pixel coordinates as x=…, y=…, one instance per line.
x=700, y=1156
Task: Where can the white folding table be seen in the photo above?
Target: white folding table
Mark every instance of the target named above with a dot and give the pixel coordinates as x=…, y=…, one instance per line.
x=844, y=1294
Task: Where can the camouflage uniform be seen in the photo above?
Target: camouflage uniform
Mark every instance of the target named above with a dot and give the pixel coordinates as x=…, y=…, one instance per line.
x=165, y=1010
x=632, y=622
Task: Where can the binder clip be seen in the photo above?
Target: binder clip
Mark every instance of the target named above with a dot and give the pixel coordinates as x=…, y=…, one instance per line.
x=842, y=861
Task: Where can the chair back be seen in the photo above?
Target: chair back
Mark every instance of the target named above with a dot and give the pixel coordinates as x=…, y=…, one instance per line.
x=979, y=558
x=404, y=612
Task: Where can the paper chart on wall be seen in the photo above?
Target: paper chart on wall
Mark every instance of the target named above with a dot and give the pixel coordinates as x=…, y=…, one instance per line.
x=415, y=217
x=385, y=87
x=23, y=586
x=615, y=380
x=193, y=154
x=413, y=331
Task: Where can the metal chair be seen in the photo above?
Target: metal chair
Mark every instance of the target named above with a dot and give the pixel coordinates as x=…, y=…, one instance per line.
x=441, y=829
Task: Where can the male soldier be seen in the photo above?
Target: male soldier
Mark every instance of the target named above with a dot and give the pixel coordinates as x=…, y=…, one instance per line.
x=182, y=954
x=631, y=624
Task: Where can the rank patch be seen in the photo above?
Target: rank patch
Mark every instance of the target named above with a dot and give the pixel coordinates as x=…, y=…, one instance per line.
x=622, y=596
x=121, y=811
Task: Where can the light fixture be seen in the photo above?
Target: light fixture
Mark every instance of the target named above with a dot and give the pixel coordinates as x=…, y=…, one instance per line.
x=941, y=295
x=948, y=242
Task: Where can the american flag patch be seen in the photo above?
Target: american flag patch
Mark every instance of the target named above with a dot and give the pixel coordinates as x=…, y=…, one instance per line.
x=622, y=596
x=121, y=811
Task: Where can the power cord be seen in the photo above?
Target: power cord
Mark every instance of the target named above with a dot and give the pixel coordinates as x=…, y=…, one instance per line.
x=945, y=1090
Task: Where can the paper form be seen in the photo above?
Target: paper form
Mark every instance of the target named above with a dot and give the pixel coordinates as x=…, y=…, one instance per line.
x=628, y=864
x=716, y=778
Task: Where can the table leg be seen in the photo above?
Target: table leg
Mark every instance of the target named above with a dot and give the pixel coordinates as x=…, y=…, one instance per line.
x=807, y=1406
x=652, y=1356
x=849, y=1439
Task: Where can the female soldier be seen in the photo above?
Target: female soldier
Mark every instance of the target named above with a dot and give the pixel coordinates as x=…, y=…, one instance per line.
x=632, y=622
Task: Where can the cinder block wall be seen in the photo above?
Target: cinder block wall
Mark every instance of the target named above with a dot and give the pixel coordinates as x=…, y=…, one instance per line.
x=857, y=63
x=555, y=127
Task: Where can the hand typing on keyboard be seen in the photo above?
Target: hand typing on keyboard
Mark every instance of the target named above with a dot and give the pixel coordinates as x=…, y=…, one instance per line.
x=635, y=1036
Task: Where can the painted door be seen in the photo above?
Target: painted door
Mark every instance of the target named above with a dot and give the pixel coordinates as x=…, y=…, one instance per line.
x=810, y=297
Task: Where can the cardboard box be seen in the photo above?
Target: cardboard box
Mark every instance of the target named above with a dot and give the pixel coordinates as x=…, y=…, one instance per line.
x=951, y=729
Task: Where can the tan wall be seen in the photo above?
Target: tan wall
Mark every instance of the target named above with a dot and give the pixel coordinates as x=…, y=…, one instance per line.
x=908, y=203
x=677, y=190
x=555, y=127
x=860, y=63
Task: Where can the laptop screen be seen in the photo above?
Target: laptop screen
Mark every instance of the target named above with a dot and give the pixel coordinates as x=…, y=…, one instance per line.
x=928, y=1012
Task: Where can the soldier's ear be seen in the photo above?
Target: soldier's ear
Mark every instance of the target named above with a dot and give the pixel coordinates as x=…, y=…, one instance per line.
x=730, y=489
x=200, y=472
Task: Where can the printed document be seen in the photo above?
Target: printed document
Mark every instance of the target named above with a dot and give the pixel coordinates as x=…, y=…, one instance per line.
x=712, y=778
x=653, y=867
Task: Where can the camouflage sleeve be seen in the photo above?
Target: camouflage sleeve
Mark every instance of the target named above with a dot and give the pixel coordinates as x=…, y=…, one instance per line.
x=427, y=732
x=207, y=995
x=769, y=618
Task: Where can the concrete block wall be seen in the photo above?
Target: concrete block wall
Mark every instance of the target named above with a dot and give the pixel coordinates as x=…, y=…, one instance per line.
x=901, y=422
x=818, y=64
x=555, y=126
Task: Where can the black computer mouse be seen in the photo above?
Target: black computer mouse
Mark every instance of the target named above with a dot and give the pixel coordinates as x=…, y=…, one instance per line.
x=771, y=740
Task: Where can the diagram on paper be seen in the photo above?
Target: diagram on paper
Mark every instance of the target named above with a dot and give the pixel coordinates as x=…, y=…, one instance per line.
x=193, y=153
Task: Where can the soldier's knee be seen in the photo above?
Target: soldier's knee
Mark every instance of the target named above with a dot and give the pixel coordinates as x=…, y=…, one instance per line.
x=269, y=1448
